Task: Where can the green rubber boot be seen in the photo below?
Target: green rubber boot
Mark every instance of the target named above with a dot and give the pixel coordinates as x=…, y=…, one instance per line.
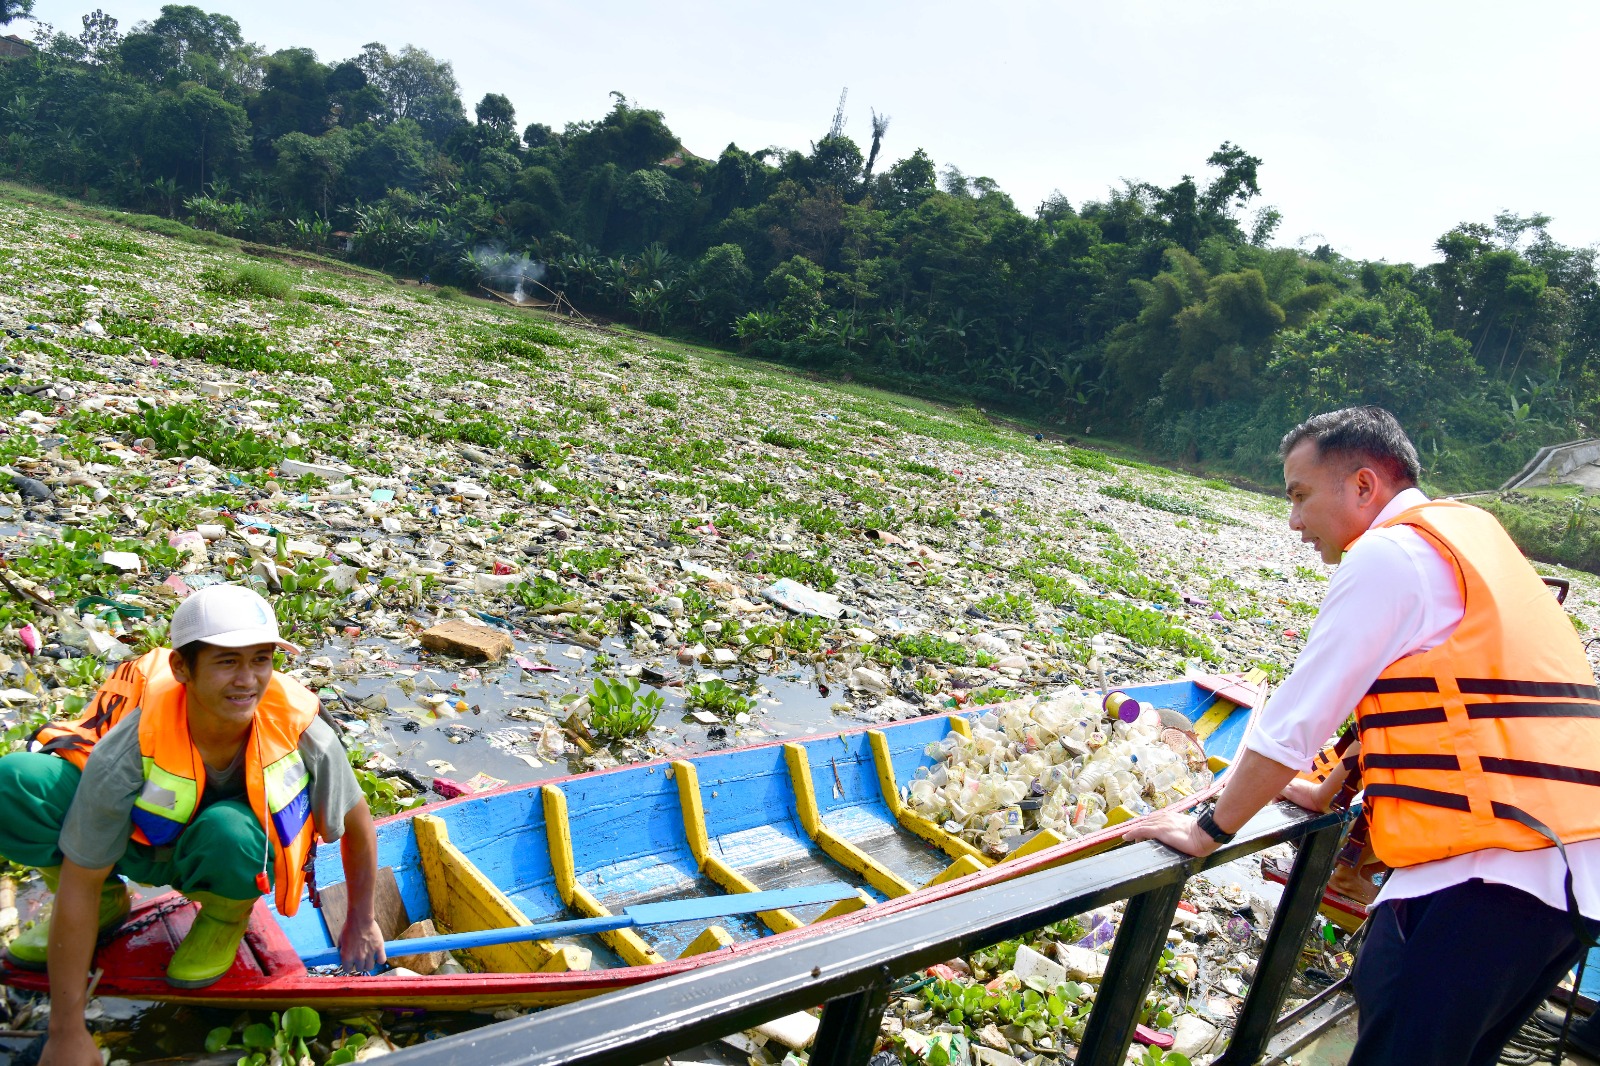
x=208, y=951
x=30, y=949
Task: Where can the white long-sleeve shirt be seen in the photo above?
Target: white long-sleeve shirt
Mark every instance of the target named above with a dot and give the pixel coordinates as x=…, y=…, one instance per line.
x=1394, y=595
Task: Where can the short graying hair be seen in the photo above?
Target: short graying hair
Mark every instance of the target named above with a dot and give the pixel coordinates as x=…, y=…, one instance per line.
x=1368, y=436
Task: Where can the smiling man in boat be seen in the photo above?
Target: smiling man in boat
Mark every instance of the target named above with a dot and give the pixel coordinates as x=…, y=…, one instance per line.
x=200, y=767
x=1480, y=729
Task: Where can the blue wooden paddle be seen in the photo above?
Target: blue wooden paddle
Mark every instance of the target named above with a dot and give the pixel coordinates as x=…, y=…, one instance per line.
x=678, y=910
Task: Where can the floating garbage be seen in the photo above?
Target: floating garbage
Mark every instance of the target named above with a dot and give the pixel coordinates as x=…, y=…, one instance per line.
x=793, y=596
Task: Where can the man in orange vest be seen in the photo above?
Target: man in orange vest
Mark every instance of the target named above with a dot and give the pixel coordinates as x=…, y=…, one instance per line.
x=1479, y=721
x=201, y=767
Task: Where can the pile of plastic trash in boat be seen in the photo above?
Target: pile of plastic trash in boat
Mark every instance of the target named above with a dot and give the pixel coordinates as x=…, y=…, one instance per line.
x=1072, y=763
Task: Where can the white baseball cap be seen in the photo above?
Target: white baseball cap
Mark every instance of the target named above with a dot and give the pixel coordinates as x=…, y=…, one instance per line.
x=227, y=616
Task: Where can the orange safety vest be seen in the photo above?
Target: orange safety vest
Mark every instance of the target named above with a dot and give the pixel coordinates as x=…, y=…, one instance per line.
x=1491, y=739
x=276, y=779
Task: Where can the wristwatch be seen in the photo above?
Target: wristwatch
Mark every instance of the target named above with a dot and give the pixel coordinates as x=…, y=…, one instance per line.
x=1209, y=827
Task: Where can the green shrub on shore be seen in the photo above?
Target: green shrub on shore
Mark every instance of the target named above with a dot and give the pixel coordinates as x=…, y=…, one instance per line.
x=1562, y=527
x=245, y=281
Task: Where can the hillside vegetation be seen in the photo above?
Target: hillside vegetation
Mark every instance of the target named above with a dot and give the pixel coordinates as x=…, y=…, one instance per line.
x=1162, y=313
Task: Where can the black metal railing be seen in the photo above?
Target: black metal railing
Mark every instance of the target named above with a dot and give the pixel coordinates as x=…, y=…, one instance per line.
x=850, y=971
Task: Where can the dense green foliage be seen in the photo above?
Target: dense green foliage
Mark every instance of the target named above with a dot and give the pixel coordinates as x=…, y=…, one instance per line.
x=1557, y=525
x=1161, y=314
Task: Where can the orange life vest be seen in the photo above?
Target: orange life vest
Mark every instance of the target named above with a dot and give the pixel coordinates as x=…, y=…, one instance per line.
x=276, y=780
x=1491, y=739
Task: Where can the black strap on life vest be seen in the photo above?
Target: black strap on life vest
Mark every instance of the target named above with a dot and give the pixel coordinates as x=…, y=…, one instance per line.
x=1522, y=817
x=64, y=742
x=1412, y=794
x=1376, y=761
x=1548, y=771
x=1393, y=719
x=1387, y=685
x=1491, y=764
x=1533, y=710
x=1494, y=686
x=1488, y=686
x=1478, y=711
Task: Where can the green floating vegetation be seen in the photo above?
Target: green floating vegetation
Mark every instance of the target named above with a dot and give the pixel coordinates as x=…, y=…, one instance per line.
x=194, y=429
x=539, y=593
x=1122, y=575
x=1090, y=615
x=933, y=648
x=1166, y=501
x=1090, y=461
x=925, y=469
x=802, y=635
x=587, y=562
x=782, y=439
x=617, y=710
x=1008, y=606
x=796, y=567
x=718, y=697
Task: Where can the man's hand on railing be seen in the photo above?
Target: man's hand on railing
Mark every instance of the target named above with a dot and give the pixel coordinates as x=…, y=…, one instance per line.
x=1307, y=794
x=1175, y=830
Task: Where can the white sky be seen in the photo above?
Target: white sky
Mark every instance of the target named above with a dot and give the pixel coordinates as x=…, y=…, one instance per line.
x=1380, y=124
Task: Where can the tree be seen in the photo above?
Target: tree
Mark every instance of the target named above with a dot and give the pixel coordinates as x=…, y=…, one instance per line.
x=186, y=43
x=99, y=38
x=538, y=135
x=1384, y=352
x=1236, y=186
x=351, y=101
x=724, y=280
x=415, y=86
x=796, y=288
x=311, y=167
x=293, y=97
x=654, y=199
x=907, y=183
x=197, y=128
x=632, y=138
x=496, y=112
x=14, y=9
x=835, y=164
x=394, y=156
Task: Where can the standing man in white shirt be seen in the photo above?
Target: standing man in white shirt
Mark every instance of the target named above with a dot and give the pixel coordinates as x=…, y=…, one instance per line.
x=1480, y=733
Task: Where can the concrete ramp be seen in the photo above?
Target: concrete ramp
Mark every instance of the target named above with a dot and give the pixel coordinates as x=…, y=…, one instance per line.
x=1574, y=463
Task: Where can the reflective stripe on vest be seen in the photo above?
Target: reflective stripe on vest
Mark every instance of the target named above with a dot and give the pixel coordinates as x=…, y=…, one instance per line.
x=1491, y=739
x=165, y=805
x=288, y=796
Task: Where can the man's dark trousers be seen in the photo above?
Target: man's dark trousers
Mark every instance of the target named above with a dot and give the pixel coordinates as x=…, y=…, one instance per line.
x=1448, y=978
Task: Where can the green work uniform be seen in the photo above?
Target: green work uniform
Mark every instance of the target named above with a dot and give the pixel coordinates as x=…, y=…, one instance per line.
x=55, y=810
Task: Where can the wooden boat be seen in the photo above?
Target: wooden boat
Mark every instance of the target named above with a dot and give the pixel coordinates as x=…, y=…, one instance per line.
x=1338, y=908
x=765, y=817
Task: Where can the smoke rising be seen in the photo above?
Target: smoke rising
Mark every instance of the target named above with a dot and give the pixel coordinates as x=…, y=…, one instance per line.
x=500, y=269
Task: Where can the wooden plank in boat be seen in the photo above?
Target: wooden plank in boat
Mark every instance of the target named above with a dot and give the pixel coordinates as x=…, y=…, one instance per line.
x=388, y=907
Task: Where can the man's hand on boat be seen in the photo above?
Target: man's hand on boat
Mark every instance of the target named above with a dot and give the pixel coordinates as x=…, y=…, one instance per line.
x=361, y=945
x=1253, y=782
x=361, y=941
